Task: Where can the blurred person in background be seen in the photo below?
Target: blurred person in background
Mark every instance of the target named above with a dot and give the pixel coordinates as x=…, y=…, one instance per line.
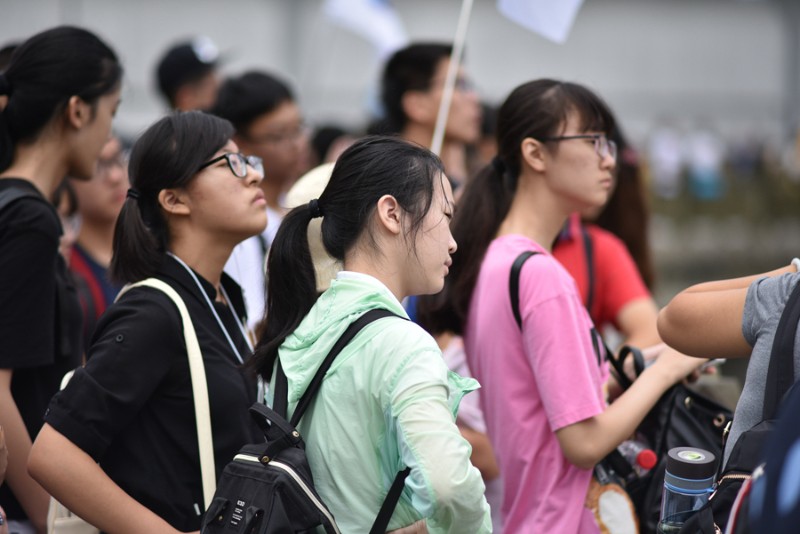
x=328, y=142
x=66, y=203
x=412, y=86
x=269, y=124
x=187, y=74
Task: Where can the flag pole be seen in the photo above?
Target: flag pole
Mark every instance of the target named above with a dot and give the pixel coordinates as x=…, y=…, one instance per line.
x=450, y=80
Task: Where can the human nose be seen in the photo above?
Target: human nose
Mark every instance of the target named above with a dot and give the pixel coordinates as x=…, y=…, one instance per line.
x=253, y=175
x=117, y=172
x=452, y=246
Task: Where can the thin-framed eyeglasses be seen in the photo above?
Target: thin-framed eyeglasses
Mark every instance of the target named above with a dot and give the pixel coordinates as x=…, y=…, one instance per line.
x=238, y=164
x=602, y=144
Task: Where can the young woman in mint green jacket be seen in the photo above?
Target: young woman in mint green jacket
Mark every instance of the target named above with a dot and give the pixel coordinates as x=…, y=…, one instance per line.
x=388, y=401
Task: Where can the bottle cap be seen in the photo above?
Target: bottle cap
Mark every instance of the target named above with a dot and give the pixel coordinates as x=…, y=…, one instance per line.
x=690, y=465
x=647, y=459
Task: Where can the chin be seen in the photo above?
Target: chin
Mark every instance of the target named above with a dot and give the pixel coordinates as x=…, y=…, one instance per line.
x=434, y=288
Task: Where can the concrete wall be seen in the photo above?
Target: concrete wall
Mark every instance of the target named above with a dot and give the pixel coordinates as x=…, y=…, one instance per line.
x=723, y=62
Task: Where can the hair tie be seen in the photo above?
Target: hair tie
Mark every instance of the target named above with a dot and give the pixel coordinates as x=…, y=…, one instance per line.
x=498, y=165
x=315, y=208
x=134, y=194
x=5, y=85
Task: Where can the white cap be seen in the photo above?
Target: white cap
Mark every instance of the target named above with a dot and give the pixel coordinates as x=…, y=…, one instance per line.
x=309, y=187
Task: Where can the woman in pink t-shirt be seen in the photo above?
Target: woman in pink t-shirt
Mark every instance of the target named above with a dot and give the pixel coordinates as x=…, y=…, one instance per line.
x=543, y=383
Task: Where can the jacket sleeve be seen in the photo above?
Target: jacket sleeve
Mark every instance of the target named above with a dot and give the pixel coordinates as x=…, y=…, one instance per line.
x=446, y=488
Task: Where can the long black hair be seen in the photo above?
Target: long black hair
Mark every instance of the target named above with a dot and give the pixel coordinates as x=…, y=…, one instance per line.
x=169, y=154
x=369, y=169
x=536, y=110
x=44, y=73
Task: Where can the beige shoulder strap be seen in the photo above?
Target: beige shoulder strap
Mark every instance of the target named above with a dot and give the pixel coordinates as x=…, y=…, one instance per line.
x=199, y=387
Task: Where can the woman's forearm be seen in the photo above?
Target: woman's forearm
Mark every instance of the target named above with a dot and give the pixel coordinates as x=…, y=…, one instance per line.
x=31, y=496
x=79, y=483
x=587, y=442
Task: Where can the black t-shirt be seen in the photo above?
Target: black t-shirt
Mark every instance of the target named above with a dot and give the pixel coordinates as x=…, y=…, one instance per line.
x=40, y=321
x=131, y=407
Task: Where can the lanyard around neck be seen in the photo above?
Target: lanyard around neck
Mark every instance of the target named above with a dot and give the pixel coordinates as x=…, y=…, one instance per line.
x=214, y=311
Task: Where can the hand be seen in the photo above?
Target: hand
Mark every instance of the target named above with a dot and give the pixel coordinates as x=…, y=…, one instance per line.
x=678, y=366
x=420, y=527
x=3, y=522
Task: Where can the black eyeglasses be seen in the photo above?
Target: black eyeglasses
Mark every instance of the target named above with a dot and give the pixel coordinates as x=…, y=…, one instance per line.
x=238, y=164
x=602, y=145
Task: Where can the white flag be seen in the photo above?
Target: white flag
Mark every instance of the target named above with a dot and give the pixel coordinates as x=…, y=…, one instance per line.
x=375, y=20
x=550, y=18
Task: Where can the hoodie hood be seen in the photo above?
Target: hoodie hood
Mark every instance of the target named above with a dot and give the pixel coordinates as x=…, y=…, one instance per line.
x=349, y=296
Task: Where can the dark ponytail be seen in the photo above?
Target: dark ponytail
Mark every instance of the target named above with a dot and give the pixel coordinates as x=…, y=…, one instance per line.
x=369, y=169
x=289, y=253
x=44, y=73
x=169, y=154
x=536, y=110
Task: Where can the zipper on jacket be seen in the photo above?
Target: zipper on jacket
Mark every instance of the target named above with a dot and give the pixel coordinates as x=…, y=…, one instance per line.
x=298, y=480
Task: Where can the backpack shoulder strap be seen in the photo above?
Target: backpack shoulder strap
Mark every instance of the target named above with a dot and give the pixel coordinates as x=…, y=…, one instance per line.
x=780, y=375
x=513, y=283
x=390, y=503
x=205, y=440
x=281, y=401
x=11, y=194
x=346, y=337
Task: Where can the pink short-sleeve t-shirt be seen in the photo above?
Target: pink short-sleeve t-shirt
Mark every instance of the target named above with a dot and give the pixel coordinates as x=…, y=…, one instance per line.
x=536, y=380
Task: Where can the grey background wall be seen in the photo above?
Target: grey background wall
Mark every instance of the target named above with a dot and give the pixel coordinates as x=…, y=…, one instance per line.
x=728, y=63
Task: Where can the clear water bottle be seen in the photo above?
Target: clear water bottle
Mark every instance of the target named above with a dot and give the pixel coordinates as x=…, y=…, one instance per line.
x=639, y=455
x=688, y=482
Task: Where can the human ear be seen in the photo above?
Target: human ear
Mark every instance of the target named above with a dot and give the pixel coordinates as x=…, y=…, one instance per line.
x=533, y=154
x=173, y=202
x=77, y=112
x=390, y=214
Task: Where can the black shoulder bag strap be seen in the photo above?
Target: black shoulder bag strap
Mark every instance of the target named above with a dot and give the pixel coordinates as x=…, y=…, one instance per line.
x=513, y=283
x=780, y=375
x=281, y=402
x=9, y=195
x=588, y=248
x=614, y=458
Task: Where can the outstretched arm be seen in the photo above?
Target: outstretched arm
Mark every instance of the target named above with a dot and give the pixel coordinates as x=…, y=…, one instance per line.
x=587, y=442
x=706, y=319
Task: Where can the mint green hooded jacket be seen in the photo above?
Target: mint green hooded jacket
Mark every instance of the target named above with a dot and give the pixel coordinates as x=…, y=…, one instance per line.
x=387, y=402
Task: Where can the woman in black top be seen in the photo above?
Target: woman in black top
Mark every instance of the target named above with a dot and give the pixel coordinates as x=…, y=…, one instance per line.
x=130, y=410
x=58, y=96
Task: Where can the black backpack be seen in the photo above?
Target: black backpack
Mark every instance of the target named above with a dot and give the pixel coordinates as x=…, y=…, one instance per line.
x=268, y=487
x=746, y=454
